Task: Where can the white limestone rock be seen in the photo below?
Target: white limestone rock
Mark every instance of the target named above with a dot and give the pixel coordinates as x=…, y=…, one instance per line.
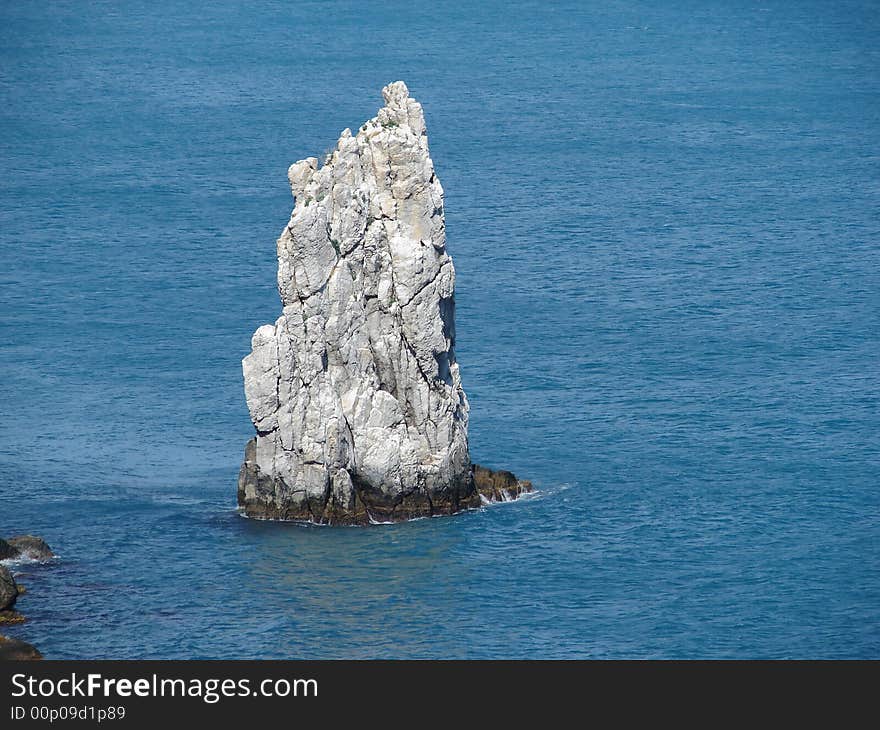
x=355, y=391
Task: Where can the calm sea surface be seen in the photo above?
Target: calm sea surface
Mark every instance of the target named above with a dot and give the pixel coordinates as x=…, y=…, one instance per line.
x=665, y=219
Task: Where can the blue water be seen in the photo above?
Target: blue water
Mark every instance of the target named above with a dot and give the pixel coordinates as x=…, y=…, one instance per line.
x=665, y=219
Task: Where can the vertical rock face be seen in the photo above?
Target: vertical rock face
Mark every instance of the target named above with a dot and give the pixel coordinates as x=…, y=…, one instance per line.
x=355, y=392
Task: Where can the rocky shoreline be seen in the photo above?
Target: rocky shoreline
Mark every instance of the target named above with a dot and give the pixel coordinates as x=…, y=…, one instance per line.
x=25, y=547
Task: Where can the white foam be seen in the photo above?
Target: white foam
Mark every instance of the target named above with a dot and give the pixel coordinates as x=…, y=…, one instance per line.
x=21, y=560
x=374, y=521
x=507, y=498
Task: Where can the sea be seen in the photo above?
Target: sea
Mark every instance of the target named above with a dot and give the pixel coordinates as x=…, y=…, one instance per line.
x=665, y=220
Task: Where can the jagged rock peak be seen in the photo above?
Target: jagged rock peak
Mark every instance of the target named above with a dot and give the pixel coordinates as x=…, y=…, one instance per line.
x=354, y=391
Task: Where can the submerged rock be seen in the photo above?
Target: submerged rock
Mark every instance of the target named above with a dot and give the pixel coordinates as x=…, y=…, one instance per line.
x=8, y=589
x=355, y=392
x=32, y=547
x=16, y=650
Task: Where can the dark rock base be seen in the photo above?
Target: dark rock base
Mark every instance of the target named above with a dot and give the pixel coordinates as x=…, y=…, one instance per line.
x=371, y=506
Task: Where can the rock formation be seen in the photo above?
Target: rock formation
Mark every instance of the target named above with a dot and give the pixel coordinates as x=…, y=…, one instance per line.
x=24, y=547
x=355, y=391
x=30, y=547
x=8, y=589
x=6, y=550
x=16, y=650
